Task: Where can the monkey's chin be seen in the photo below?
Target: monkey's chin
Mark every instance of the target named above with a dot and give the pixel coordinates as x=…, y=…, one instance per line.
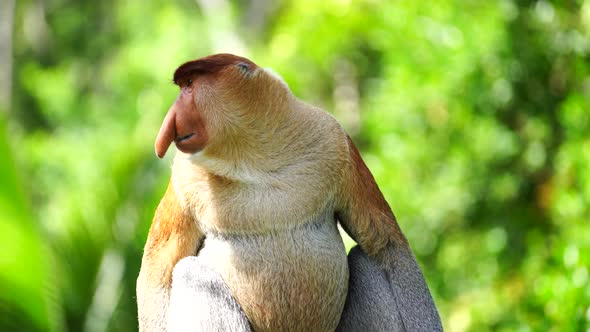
x=190, y=145
x=189, y=152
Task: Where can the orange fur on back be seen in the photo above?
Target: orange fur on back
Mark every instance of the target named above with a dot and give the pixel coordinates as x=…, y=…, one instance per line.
x=361, y=202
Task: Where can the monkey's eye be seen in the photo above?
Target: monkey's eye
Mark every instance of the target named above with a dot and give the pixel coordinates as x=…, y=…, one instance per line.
x=189, y=82
x=243, y=66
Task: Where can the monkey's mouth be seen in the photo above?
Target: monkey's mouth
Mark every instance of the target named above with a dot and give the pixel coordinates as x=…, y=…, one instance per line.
x=188, y=143
x=183, y=138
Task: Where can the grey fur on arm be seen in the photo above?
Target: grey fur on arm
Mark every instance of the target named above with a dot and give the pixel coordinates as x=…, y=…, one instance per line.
x=201, y=301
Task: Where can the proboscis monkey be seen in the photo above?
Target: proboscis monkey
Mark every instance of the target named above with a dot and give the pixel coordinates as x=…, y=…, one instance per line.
x=246, y=235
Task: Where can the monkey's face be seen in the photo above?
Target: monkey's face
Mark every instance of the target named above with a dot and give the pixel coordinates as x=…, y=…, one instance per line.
x=217, y=94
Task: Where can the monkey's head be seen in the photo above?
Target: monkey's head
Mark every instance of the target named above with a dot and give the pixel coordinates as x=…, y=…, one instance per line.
x=221, y=96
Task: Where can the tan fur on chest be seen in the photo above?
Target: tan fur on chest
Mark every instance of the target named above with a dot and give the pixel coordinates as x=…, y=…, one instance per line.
x=292, y=280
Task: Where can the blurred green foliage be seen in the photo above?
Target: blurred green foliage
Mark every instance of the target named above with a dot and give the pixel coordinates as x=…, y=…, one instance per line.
x=474, y=116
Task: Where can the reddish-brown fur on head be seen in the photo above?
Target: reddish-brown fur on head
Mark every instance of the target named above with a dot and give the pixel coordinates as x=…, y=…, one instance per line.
x=186, y=123
x=208, y=65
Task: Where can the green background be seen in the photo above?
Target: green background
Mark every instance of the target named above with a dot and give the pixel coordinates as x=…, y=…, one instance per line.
x=473, y=116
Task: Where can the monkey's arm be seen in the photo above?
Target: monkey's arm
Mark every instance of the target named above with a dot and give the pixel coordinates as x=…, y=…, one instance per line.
x=174, y=234
x=201, y=301
x=390, y=265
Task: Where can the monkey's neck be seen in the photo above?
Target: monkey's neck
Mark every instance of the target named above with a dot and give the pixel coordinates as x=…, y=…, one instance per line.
x=263, y=151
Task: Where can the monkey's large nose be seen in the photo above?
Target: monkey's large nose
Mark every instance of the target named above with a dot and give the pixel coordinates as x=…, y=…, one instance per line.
x=166, y=134
x=183, y=126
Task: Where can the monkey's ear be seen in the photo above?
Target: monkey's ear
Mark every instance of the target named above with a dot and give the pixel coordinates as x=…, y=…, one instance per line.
x=243, y=66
